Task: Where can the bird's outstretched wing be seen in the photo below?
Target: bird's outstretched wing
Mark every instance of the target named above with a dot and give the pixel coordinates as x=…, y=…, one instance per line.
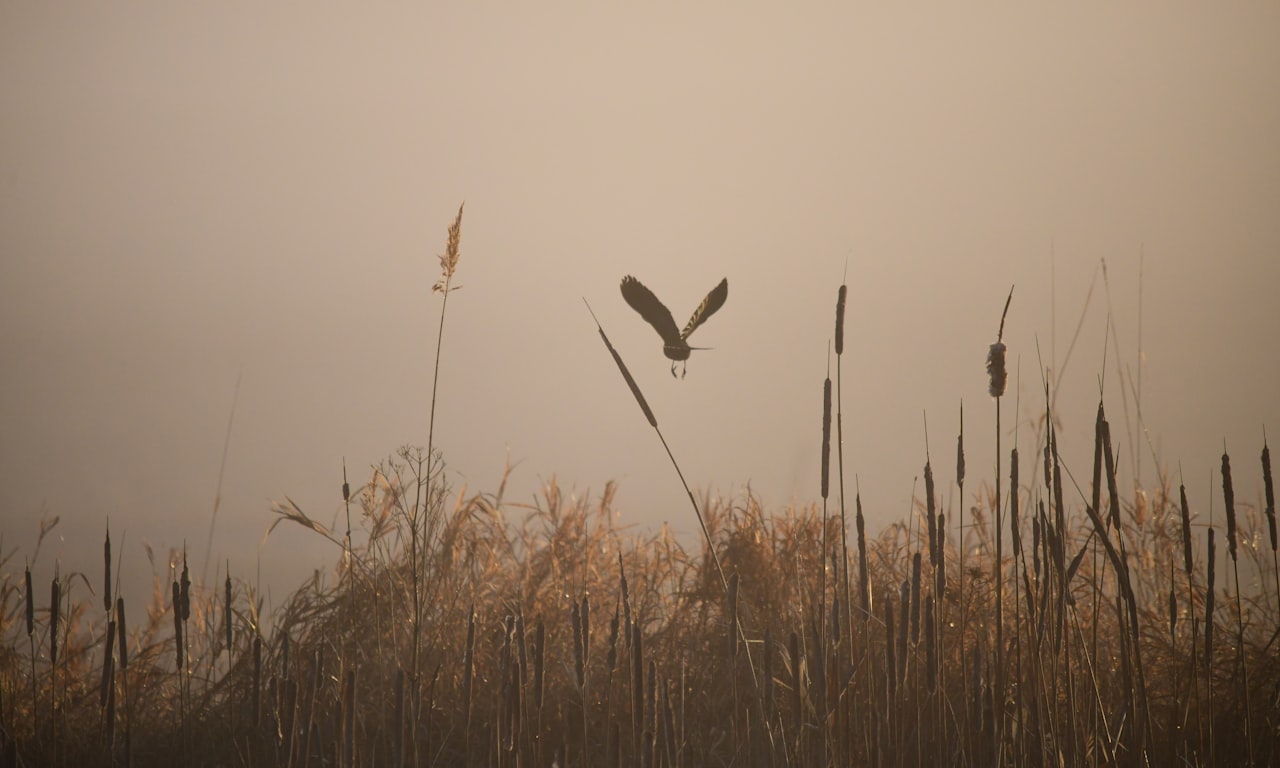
x=715, y=300
x=643, y=301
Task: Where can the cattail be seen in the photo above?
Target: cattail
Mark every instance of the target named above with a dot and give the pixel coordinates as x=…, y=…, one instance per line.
x=55, y=606
x=996, y=370
x=1208, y=602
x=960, y=451
x=106, y=572
x=626, y=602
x=626, y=374
x=257, y=679
x=612, y=659
x=891, y=663
x=31, y=604
x=930, y=651
x=733, y=617
x=1229, y=496
x=797, y=683
x=826, y=436
x=915, y=598
x=863, y=584
x=1109, y=457
x=124, y=648
x=177, y=623
x=1173, y=604
x=227, y=614
x=186, y=589
x=904, y=597
x=1270, y=492
x=995, y=357
x=942, y=557
x=1186, y=530
x=1013, y=503
x=932, y=513
x=1098, y=424
x=108, y=659
x=575, y=618
x=840, y=319
x=539, y=663
x=1035, y=541
x=586, y=632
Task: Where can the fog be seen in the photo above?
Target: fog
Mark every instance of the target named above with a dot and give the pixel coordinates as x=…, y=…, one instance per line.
x=192, y=197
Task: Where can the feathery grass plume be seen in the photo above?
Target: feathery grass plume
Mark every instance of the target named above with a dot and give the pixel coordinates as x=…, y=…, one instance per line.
x=106, y=571
x=449, y=259
x=1229, y=496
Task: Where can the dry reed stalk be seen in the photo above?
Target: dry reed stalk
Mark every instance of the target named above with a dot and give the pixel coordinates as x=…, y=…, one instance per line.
x=844, y=523
x=1211, y=554
x=349, y=720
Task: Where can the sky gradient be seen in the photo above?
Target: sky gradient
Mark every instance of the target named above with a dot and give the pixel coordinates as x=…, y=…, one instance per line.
x=195, y=195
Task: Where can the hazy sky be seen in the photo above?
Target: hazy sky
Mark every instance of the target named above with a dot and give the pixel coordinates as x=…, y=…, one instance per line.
x=191, y=194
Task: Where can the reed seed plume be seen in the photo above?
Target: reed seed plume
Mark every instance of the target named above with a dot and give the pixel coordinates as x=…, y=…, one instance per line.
x=452, y=251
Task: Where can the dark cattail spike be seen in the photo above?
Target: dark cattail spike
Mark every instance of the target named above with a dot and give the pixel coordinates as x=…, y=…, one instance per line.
x=31, y=604
x=826, y=436
x=1186, y=529
x=1229, y=497
x=1013, y=503
x=106, y=571
x=840, y=297
x=1270, y=492
x=1209, y=599
x=55, y=608
x=227, y=614
x=932, y=513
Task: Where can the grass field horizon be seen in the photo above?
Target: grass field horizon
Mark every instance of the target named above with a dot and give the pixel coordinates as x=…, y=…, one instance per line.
x=1049, y=616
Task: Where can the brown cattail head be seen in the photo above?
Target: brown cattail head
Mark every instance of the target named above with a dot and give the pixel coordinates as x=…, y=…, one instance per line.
x=942, y=554
x=1229, y=497
x=186, y=589
x=1208, y=601
x=124, y=649
x=177, y=622
x=1270, y=491
x=612, y=660
x=449, y=259
x=55, y=607
x=960, y=451
x=1186, y=530
x=31, y=604
x=227, y=615
x=626, y=374
x=840, y=320
x=1013, y=503
x=999, y=377
x=826, y=436
x=1173, y=604
x=106, y=572
x=932, y=513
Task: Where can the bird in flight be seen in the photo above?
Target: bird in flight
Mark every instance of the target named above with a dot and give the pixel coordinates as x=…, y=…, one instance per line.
x=675, y=344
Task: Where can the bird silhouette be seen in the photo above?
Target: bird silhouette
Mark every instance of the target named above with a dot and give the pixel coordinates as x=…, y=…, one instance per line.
x=675, y=344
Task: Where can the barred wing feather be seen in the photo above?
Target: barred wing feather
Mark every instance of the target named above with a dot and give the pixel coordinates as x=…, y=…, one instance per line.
x=714, y=301
x=643, y=301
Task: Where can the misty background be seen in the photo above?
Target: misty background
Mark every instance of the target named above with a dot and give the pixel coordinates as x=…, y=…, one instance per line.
x=195, y=196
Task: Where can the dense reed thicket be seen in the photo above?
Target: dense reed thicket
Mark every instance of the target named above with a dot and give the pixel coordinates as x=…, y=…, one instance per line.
x=469, y=631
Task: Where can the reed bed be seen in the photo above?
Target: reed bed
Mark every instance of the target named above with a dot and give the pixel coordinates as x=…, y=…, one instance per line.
x=466, y=630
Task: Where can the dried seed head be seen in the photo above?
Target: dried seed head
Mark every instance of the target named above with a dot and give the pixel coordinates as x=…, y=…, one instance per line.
x=996, y=370
x=55, y=606
x=1270, y=492
x=31, y=605
x=1186, y=530
x=1229, y=496
x=449, y=259
x=106, y=572
x=840, y=320
x=826, y=436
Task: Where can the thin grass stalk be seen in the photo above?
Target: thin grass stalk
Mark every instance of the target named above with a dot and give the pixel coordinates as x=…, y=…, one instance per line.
x=844, y=523
x=1212, y=553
